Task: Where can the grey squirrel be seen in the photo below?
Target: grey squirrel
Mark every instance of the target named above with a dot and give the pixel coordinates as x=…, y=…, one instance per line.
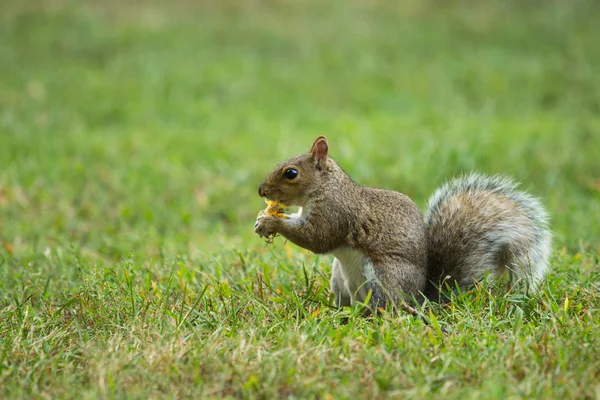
x=385, y=251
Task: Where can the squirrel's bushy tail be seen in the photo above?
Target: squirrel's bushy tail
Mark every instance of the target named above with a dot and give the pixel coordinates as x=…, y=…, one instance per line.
x=479, y=223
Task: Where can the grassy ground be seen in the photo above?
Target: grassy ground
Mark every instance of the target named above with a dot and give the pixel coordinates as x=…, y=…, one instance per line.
x=133, y=139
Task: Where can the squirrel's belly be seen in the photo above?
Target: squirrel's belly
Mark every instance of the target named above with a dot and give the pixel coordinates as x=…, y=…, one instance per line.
x=357, y=270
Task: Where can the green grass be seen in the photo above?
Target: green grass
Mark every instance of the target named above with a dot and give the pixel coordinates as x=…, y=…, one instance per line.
x=132, y=142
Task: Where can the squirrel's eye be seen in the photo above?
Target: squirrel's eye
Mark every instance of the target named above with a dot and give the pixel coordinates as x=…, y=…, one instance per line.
x=290, y=173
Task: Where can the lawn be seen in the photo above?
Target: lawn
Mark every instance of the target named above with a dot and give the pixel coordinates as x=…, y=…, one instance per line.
x=133, y=138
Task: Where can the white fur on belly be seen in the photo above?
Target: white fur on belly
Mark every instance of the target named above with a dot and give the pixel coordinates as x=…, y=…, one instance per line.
x=356, y=270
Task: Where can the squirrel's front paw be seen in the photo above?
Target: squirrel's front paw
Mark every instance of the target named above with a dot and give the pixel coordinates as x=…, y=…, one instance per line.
x=266, y=225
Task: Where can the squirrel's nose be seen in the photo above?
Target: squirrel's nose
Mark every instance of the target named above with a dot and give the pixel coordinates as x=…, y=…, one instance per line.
x=261, y=191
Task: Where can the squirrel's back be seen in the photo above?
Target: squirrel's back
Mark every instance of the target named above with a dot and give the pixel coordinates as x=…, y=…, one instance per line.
x=479, y=223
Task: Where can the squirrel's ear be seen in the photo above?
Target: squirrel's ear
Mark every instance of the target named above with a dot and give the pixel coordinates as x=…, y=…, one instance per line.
x=319, y=151
x=312, y=149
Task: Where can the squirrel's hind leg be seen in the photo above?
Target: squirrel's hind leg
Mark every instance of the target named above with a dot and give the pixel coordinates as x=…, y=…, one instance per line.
x=338, y=286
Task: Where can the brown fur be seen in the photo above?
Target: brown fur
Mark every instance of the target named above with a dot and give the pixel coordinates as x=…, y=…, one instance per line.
x=385, y=225
x=472, y=224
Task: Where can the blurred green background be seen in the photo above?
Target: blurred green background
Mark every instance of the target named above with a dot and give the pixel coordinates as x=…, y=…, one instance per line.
x=143, y=125
x=133, y=138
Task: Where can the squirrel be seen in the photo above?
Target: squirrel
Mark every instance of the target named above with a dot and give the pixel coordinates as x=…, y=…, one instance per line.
x=386, y=252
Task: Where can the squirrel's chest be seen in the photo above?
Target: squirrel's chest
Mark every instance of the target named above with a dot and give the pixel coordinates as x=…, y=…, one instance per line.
x=355, y=267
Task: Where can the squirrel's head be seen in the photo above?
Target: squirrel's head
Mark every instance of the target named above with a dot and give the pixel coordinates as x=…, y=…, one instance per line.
x=292, y=180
